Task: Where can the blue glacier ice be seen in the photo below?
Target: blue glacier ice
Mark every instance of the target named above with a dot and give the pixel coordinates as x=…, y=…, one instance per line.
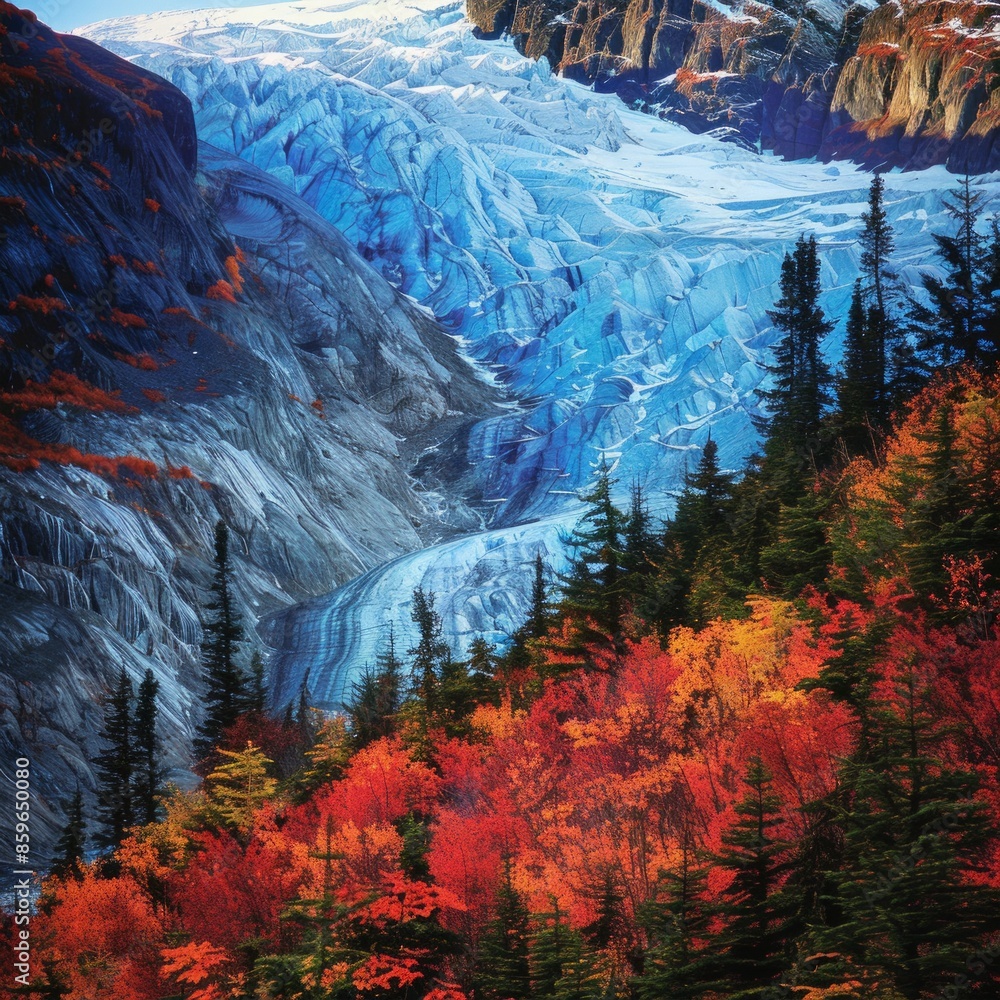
x=610, y=270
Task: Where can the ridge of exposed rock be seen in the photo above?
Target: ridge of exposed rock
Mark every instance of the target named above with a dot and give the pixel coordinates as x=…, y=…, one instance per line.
x=906, y=83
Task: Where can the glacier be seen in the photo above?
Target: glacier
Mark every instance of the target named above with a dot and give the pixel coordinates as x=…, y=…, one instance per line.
x=609, y=270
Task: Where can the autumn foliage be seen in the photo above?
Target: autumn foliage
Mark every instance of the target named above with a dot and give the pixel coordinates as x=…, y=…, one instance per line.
x=798, y=798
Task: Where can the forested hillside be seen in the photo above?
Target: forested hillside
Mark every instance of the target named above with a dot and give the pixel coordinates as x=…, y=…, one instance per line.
x=751, y=752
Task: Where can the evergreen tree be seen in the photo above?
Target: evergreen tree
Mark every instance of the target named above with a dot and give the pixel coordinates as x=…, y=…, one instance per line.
x=640, y=551
x=536, y=625
x=239, y=786
x=696, y=551
x=430, y=652
x=72, y=841
x=549, y=949
x=115, y=765
x=503, y=971
x=256, y=696
x=592, y=589
x=677, y=961
x=363, y=708
x=952, y=328
x=861, y=388
x=223, y=632
x=147, y=751
x=802, y=379
x=539, y=616
x=800, y=553
x=877, y=247
x=704, y=506
x=752, y=949
x=912, y=906
x=939, y=522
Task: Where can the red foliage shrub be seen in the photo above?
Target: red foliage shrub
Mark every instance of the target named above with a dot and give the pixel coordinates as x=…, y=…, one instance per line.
x=137, y=466
x=45, y=304
x=154, y=395
x=127, y=319
x=152, y=204
x=222, y=291
x=180, y=472
x=233, y=270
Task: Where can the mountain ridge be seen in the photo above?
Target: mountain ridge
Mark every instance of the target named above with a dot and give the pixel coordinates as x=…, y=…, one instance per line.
x=905, y=83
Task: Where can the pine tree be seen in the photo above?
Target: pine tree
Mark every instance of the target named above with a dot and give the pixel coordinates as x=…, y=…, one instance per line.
x=677, y=961
x=535, y=626
x=503, y=972
x=861, y=387
x=877, y=247
x=952, y=328
x=256, y=695
x=549, y=949
x=72, y=841
x=362, y=709
x=115, y=765
x=752, y=949
x=592, y=589
x=696, y=550
x=238, y=787
x=539, y=615
x=801, y=552
x=938, y=522
x=990, y=289
x=147, y=752
x=429, y=653
x=802, y=379
x=913, y=908
x=223, y=633
x=704, y=506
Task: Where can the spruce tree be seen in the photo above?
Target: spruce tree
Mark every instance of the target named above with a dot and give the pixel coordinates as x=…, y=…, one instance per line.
x=912, y=904
x=677, y=962
x=147, y=751
x=939, y=522
x=256, y=691
x=752, y=949
x=430, y=652
x=877, y=247
x=225, y=696
x=800, y=553
x=802, y=380
x=704, y=506
x=592, y=589
x=362, y=709
x=503, y=971
x=115, y=765
x=535, y=626
x=70, y=846
x=239, y=786
x=861, y=386
x=549, y=949
x=696, y=551
x=539, y=615
x=951, y=328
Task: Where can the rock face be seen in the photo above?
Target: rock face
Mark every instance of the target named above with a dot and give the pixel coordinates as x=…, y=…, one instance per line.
x=268, y=374
x=906, y=83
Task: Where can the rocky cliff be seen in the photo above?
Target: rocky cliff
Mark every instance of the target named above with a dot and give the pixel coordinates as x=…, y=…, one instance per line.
x=905, y=83
x=181, y=339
